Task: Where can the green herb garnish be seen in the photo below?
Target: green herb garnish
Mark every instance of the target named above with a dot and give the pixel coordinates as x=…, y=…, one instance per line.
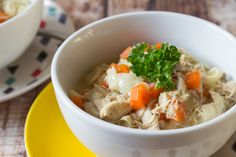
x=155, y=65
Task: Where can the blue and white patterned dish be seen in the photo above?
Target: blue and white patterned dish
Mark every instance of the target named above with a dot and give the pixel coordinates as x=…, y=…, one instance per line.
x=33, y=67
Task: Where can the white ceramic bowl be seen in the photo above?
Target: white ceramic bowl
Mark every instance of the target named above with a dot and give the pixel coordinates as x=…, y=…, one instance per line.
x=17, y=33
x=103, y=41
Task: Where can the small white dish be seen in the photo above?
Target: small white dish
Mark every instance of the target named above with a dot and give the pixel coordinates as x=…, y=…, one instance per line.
x=21, y=27
x=33, y=67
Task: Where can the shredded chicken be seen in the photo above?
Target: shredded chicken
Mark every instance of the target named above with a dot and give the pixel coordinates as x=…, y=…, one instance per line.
x=114, y=107
x=227, y=89
x=108, y=97
x=209, y=111
x=96, y=74
x=95, y=97
x=149, y=118
x=131, y=120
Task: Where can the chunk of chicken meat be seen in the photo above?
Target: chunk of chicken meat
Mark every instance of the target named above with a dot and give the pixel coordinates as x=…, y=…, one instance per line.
x=96, y=74
x=114, y=107
x=95, y=96
x=131, y=121
x=208, y=111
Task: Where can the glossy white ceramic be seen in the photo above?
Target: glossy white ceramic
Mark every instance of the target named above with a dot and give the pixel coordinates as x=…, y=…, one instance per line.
x=34, y=66
x=18, y=32
x=103, y=41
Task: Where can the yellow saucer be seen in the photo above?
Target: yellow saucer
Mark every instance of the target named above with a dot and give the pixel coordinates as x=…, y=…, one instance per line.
x=46, y=133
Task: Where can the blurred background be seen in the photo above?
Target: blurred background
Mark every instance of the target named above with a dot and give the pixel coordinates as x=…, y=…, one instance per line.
x=221, y=12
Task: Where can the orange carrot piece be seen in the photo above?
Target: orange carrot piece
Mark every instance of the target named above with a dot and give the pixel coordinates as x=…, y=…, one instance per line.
x=162, y=116
x=76, y=98
x=179, y=112
x=140, y=96
x=104, y=85
x=155, y=92
x=121, y=68
x=125, y=53
x=193, y=80
x=3, y=17
x=158, y=45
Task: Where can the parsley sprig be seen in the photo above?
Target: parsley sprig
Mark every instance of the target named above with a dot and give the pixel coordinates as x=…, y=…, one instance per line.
x=155, y=65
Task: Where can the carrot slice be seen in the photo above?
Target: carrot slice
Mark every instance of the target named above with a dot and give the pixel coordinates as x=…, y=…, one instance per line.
x=155, y=92
x=76, y=98
x=193, y=80
x=125, y=53
x=140, y=96
x=3, y=17
x=121, y=68
x=162, y=116
x=158, y=45
x=104, y=85
x=179, y=112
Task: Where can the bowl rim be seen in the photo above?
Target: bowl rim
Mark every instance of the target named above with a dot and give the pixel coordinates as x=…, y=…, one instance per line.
x=21, y=14
x=125, y=130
